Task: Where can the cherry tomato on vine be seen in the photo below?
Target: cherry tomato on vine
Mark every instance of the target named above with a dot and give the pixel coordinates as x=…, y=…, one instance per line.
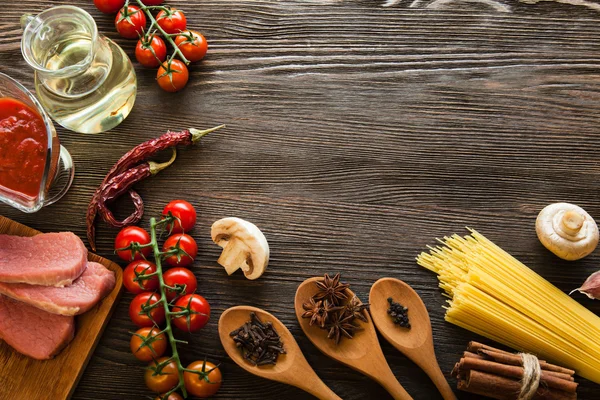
x=185, y=243
x=172, y=396
x=151, y=52
x=185, y=213
x=144, y=300
x=205, y=383
x=172, y=76
x=109, y=6
x=130, y=22
x=179, y=277
x=171, y=21
x=154, y=347
x=128, y=235
x=134, y=270
x=192, y=44
x=199, y=312
x=166, y=380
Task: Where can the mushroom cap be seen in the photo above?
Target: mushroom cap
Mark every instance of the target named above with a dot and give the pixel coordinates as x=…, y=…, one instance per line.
x=244, y=246
x=567, y=230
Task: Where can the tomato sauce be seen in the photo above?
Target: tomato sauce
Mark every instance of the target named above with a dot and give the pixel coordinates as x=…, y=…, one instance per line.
x=23, y=147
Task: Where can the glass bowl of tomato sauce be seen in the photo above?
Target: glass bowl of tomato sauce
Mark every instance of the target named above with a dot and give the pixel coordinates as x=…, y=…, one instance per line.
x=35, y=170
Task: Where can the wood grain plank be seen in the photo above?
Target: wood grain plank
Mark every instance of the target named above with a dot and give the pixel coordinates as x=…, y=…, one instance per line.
x=356, y=134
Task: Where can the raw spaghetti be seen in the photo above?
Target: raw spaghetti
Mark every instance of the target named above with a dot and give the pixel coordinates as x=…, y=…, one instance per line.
x=494, y=295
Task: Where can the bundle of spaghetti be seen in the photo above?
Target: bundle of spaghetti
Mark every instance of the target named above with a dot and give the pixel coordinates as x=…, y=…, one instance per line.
x=494, y=295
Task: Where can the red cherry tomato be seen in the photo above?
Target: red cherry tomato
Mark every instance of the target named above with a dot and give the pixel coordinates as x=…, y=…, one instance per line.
x=192, y=44
x=172, y=77
x=134, y=271
x=145, y=350
x=199, y=315
x=205, y=383
x=144, y=300
x=130, y=22
x=166, y=380
x=185, y=213
x=128, y=235
x=171, y=21
x=179, y=277
x=152, y=52
x=187, y=244
x=109, y=6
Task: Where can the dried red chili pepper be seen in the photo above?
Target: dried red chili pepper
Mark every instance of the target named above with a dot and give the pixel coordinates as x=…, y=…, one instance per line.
x=122, y=183
x=135, y=156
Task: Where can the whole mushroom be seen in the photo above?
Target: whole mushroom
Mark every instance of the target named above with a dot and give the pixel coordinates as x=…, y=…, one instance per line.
x=244, y=246
x=567, y=230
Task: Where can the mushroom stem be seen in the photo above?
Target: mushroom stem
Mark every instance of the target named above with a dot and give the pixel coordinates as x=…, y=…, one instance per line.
x=572, y=222
x=232, y=257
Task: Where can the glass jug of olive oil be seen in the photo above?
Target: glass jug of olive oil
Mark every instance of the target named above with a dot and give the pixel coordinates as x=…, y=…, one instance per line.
x=84, y=80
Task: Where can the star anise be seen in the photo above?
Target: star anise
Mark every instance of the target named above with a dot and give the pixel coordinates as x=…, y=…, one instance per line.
x=314, y=311
x=356, y=308
x=328, y=310
x=331, y=289
x=340, y=326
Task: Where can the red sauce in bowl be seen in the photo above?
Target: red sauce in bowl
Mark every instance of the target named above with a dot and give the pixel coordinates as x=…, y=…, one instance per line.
x=23, y=147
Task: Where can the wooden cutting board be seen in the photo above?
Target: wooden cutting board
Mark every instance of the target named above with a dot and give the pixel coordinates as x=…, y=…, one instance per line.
x=24, y=378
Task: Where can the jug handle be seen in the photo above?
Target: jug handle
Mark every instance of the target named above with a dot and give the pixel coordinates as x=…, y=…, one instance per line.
x=64, y=176
x=26, y=19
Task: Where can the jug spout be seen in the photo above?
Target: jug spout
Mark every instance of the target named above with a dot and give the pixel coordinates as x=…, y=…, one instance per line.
x=53, y=31
x=26, y=19
x=63, y=46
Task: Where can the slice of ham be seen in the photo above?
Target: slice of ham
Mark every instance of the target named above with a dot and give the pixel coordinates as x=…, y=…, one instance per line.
x=33, y=332
x=91, y=287
x=48, y=259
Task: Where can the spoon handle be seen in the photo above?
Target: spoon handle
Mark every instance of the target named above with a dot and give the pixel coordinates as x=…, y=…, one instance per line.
x=309, y=382
x=318, y=388
x=391, y=384
x=304, y=377
x=439, y=380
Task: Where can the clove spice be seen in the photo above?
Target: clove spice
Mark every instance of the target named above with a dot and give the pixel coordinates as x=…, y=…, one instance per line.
x=258, y=341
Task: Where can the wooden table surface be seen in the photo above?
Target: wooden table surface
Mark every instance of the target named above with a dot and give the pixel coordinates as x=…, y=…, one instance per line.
x=357, y=132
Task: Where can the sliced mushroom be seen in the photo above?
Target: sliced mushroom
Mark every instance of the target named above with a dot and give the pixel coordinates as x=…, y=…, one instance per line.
x=244, y=246
x=567, y=231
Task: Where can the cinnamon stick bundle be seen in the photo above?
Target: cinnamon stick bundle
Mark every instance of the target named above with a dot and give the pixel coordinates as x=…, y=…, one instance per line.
x=510, y=358
x=495, y=373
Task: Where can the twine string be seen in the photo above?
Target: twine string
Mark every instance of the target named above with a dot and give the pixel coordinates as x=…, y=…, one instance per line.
x=532, y=373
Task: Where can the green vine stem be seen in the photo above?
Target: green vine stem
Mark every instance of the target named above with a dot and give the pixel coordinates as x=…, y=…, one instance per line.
x=154, y=24
x=163, y=298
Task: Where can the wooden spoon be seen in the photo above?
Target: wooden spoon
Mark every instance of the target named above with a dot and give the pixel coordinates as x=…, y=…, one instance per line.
x=291, y=368
x=362, y=353
x=417, y=342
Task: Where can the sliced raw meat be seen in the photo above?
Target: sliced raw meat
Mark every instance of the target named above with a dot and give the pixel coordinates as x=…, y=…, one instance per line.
x=87, y=290
x=33, y=332
x=48, y=259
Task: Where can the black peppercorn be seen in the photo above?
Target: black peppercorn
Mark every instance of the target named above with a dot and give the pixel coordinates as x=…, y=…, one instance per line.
x=398, y=313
